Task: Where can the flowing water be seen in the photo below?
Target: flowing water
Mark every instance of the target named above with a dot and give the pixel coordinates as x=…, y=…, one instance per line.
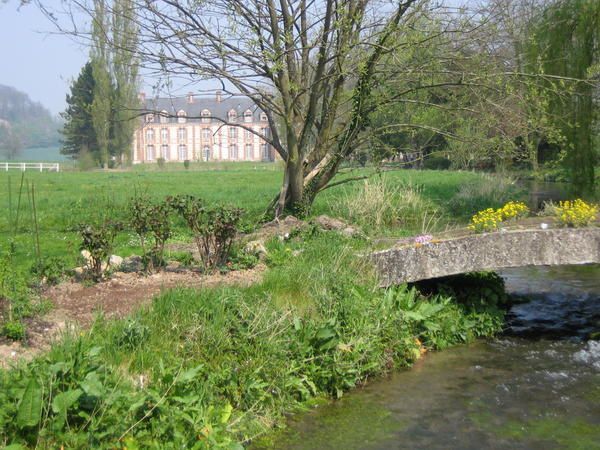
x=537, y=387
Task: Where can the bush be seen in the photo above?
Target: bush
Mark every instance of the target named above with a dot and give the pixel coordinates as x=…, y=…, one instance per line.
x=161, y=162
x=214, y=228
x=151, y=220
x=186, y=164
x=576, y=213
x=98, y=241
x=436, y=163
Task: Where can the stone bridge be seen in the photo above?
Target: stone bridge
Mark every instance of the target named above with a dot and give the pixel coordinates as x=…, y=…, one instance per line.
x=488, y=251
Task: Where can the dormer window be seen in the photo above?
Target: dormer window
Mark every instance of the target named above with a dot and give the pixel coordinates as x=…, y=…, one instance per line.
x=205, y=116
x=232, y=116
x=149, y=118
x=263, y=117
x=248, y=116
x=164, y=116
x=181, y=116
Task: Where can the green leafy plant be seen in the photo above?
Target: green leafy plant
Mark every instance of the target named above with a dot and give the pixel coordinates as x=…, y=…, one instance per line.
x=50, y=270
x=214, y=227
x=186, y=164
x=161, y=162
x=14, y=330
x=98, y=241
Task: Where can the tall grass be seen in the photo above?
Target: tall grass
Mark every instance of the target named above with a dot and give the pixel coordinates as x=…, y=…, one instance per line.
x=382, y=203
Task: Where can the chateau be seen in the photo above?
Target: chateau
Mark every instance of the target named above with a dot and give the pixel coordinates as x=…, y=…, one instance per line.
x=202, y=129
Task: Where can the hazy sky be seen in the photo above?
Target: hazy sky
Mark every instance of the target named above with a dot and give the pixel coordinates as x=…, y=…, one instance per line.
x=33, y=60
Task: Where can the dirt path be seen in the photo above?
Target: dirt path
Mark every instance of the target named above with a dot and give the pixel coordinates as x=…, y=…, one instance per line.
x=75, y=305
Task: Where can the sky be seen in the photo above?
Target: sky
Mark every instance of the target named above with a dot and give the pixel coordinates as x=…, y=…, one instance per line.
x=34, y=59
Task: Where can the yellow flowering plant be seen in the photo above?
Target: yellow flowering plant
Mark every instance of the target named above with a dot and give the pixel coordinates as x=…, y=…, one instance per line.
x=490, y=219
x=575, y=213
x=487, y=220
x=514, y=210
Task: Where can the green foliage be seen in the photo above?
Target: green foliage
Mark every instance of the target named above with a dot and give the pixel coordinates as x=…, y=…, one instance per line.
x=213, y=227
x=14, y=330
x=437, y=163
x=161, y=162
x=98, y=240
x=50, y=270
x=186, y=164
x=213, y=368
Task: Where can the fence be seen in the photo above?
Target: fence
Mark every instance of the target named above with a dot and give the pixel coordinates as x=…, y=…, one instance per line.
x=50, y=167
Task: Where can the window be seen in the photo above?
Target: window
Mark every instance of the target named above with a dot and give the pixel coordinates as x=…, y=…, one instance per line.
x=150, y=152
x=183, y=152
x=232, y=132
x=181, y=116
x=149, y=118
x=249, y=134
x=263, y=117
x=206, y=153
x=164, y=134
x=233, y=151
x=150, y=135
x=264, y=149
x=205, y=116
x=206, y=134
x=249, y=151
x=164, y=151
x=248, y=116
x=232, y=116
x=264, y=131
x=164, y=116
x=182, y=134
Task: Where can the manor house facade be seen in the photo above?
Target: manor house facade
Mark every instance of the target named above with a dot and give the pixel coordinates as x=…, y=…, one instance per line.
x=202, y=129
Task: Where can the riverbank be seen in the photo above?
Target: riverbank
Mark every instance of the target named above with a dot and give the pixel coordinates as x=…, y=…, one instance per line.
x=222, y=366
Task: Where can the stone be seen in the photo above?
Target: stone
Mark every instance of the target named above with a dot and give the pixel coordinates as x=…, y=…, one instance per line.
x=115, y=261
x=488, y=251
x=172, y=266
x=132, y=263
x=329, y=223
x=256, y=248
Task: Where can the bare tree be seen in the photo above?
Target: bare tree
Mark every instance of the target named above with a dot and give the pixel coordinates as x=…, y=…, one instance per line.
x=310, y=65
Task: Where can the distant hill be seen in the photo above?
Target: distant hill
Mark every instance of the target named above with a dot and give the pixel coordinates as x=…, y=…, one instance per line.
x=30, y=124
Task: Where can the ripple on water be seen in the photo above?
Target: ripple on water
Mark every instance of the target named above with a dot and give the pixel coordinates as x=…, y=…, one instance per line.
x=589, y=355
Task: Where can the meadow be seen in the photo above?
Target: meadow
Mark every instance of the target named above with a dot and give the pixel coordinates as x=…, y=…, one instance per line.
x=405, y=202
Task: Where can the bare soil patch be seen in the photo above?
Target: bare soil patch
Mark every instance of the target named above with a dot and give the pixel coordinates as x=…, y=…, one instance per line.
x=75, y=305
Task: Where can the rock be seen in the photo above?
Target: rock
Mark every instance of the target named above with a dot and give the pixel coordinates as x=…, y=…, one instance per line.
x=329, y=223
x=256, y=248
x=115, y=261
x=172, y=266
x=132, y=263
x=87, y=256
x=351, y=231
x=79, y=271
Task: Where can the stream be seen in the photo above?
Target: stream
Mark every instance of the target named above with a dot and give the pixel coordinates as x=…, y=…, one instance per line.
x=535, y=387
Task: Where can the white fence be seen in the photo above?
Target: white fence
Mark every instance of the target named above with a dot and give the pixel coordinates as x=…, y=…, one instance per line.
x=50, y=167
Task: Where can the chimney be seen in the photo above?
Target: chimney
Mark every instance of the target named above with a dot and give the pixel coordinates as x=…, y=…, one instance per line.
x=142, y=96
x=218, y=95
x=190, y=97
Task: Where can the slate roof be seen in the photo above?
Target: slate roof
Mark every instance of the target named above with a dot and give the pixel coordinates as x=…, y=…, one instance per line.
x=193, y=110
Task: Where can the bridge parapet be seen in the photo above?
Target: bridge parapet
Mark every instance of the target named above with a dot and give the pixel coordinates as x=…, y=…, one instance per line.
x=488, y=251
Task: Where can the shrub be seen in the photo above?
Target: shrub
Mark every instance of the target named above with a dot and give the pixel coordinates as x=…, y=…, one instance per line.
x=214, y=228
x=149, y=219
x=161, y=162
x=575, y=213
x=186, y=164
x=98, y=241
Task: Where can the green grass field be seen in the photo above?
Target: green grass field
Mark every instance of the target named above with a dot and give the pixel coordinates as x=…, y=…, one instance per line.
x=64, y=200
